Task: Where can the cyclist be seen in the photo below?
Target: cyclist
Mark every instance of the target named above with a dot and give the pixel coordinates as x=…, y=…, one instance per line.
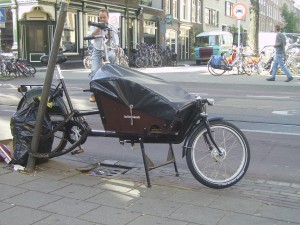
x=111, y=40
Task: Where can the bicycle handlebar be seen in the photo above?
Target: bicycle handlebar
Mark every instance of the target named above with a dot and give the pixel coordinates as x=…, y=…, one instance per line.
x=100, y=25
x=93, y=37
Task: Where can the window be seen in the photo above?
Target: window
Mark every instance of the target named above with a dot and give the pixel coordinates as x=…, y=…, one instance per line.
x=228, y=8
x=175, y=9
x=199, y=11
x=211, y=17
x=194, y=9
x=168, y=7
x=150, y=32
x=69, y=36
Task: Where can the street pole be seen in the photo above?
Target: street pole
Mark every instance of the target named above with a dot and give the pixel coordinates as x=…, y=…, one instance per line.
x=239, y=34
x=47, y=84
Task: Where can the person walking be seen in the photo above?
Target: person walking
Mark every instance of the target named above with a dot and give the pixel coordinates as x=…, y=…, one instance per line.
x=111, y=40
x=279, y=54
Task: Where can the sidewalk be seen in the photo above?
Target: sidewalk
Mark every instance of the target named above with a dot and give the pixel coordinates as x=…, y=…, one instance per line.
x=115, y=194
x=57, y=193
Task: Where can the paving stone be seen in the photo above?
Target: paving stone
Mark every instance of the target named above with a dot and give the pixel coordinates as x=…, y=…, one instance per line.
x=158, y=192
x=235, y=205
x=193, y=197
x=117, y=185
x=33, y=199
x=238, y=219
x=77, y=192
x=9, y=191
x=154, y=207
x=44, y=185
x=69, y=207
x=4, y=206
x=16, y=178
x=21, y=216
x=280, y=213
x=113, y=199
x=147, y=219
x=198, y=214
x=110, y=216
x=83, y=179
x=62, y=220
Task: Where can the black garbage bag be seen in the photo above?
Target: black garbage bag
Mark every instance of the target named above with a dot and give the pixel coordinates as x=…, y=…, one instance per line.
x=22, y=126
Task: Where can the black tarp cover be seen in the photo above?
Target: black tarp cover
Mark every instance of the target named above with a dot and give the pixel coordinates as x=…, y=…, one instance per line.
x=144, y=92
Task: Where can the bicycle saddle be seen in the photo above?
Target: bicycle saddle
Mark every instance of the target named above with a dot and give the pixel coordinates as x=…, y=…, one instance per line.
x=59, y=60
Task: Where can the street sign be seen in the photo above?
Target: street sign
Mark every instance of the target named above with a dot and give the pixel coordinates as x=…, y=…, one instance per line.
x=2, y=15
x=239, y=10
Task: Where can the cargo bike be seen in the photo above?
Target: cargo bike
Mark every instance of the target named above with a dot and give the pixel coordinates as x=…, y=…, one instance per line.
x=138, y=108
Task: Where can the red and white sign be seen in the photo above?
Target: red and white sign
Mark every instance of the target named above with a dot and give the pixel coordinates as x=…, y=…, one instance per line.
x=239, y=10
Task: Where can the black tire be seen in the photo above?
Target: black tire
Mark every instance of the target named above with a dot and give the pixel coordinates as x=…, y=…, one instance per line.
x=215, y=72
x=60, y=137
x=207, y=166
x=141, y=62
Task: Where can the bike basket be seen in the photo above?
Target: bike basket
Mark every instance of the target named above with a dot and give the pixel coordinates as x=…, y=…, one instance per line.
x=216, y=61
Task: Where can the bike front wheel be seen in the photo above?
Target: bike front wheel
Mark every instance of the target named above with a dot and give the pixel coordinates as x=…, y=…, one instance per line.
x=216, y=170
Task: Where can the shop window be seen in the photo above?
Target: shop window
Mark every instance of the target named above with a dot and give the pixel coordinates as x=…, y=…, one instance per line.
x=69, y=36
x=150, y=32
x=6, y=39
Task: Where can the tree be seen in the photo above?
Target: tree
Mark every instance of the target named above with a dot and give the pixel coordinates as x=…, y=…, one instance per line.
x=254, y=25
x=290, y=19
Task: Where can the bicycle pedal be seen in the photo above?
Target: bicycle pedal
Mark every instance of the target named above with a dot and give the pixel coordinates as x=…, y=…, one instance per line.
x=77, y=151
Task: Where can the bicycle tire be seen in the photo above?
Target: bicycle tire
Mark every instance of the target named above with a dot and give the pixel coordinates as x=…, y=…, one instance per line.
x=21, y=70
x=141, y=62
x=248, y=65
x=215, y=71
x=30, y=69
x=207, y=165
x=87, y=62
x=157, y=61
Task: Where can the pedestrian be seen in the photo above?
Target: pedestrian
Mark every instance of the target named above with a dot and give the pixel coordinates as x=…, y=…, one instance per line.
x=111, y=40
x=279, y=55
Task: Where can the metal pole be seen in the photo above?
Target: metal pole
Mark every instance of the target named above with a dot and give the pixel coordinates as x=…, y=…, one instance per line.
x=47, y=83
x=239, y=34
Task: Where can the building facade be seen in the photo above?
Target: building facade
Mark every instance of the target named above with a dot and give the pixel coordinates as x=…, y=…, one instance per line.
x=29, y=25
x=270, y=13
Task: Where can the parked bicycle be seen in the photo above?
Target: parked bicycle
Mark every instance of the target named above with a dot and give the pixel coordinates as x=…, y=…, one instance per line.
x=241, y=63
x=217, y=152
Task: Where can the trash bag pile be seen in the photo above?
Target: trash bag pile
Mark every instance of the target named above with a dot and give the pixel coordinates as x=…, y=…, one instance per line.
x=22, y=126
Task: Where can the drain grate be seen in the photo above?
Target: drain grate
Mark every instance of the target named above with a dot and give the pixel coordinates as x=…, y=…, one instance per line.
x=103, y=171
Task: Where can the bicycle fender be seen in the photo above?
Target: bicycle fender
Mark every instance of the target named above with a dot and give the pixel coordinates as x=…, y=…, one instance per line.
x=190, y=134
x=58, y=107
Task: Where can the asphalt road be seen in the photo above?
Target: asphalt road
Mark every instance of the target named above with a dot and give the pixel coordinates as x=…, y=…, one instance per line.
x=268, y=113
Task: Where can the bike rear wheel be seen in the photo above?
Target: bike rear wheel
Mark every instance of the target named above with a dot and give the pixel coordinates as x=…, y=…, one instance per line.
x=207, y=165
x=248, y=65
x=215, y=71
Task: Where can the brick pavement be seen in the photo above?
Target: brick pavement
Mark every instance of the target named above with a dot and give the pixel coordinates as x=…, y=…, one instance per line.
x=57, y=193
